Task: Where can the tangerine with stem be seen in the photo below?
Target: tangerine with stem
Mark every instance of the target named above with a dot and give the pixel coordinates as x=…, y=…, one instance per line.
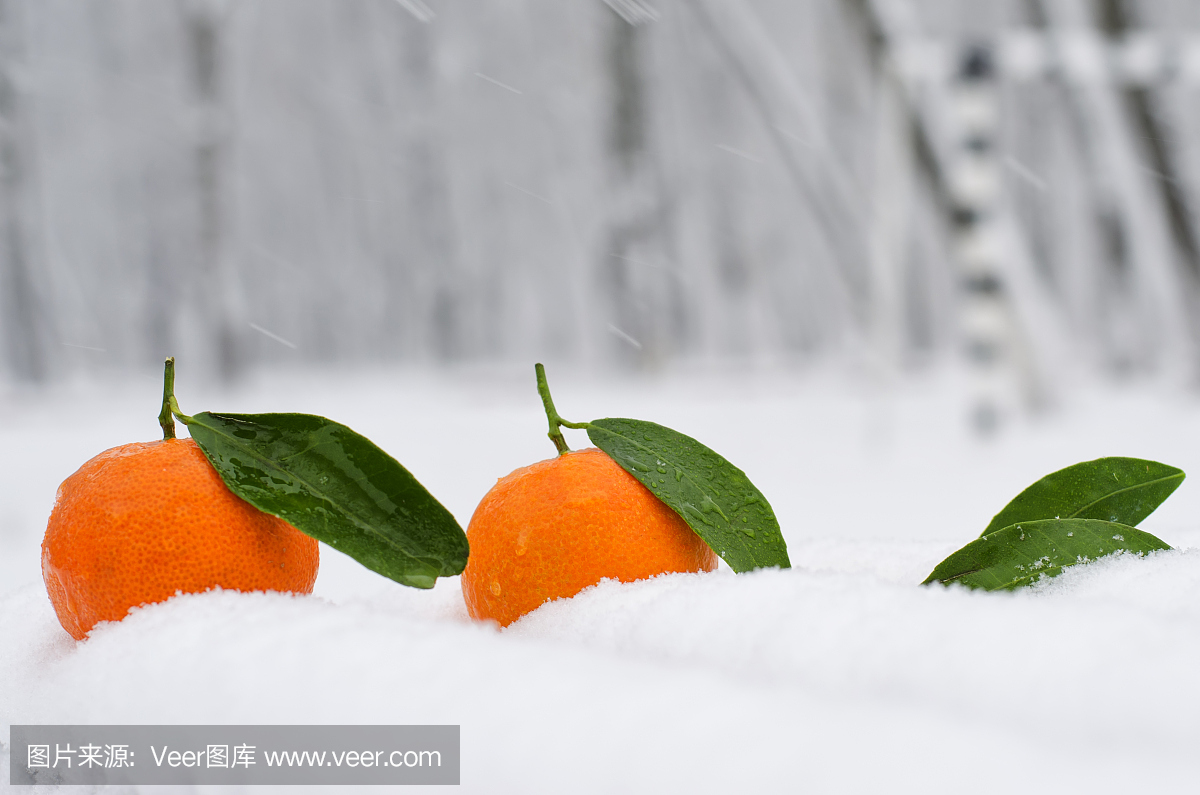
x=549, y=530
x=144, y=521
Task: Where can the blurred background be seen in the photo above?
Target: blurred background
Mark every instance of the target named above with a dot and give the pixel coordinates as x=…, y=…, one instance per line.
x=1007, y=185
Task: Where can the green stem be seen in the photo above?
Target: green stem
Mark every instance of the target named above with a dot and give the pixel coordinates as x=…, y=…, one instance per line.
x=170, y=406
x=555, y=421
x=165, y=420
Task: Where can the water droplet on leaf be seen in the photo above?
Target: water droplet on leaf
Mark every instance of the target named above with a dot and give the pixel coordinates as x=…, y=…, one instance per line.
x=708, y=506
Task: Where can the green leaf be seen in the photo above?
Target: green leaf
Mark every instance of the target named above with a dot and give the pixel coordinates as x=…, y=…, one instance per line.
x=1123, y=490
x=1022, y=553
x=713, y=496
x=337, y=487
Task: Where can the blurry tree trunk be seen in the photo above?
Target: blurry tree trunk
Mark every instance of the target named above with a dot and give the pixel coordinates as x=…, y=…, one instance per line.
x=212, y=289
x=1157, y=146
x=891, y=220
x=823, y=184
x=429, y=251
x=25, y=327
x=162, y=287
x=634, y=268
x=1143, y=288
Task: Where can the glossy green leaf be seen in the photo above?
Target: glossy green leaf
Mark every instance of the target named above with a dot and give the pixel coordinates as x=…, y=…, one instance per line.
x=1123, y=490
x=1022, y=553
x=713, y=496
x=337, y=487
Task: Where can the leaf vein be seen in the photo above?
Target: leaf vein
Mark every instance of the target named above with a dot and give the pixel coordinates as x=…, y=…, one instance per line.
x=1136, y=486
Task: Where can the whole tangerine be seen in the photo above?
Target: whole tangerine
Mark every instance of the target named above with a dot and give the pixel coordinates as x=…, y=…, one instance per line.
x=549, y=530
x=144, y=521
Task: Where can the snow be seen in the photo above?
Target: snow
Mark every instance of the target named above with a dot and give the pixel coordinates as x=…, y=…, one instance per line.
x=839, y=675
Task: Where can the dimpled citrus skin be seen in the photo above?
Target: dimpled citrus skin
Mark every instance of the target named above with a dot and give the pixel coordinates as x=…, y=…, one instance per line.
x=549, y=530
x=139, y=522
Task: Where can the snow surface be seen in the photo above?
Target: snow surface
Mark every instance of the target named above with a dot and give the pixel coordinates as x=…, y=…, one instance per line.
x=840, y=675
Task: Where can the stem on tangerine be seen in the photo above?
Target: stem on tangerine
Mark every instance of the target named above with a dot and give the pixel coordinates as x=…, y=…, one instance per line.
x=556, y=422
x=165, y=420
x=170, y=406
